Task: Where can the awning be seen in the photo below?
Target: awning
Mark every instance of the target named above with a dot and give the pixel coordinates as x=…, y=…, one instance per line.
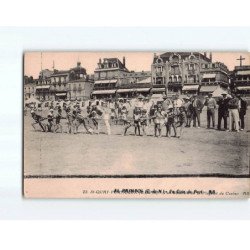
x=106, y=91
x=209, y=76
x=43, y=87
x=243, y=88
x=219, y=91
x=190, y=87
x=243, y=72
x=143, y=90
x=61, y=94
x=158, y=90
x=208, y=88
x=125, y=90
x=105, y=81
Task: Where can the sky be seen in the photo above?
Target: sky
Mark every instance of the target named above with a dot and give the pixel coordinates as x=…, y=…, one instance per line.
x=136, y=61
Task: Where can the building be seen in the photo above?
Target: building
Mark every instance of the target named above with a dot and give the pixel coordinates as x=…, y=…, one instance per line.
x=214, y=76
x=43, y=84
x=241, y=80
x=29, y=87
x=187, y=73
x=64, y=84
x=113, y=79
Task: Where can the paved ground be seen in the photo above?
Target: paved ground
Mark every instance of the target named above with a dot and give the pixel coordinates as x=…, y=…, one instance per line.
x=201, y=151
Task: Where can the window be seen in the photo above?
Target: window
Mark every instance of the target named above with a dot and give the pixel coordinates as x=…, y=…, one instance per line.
x=191, y=66
x=159, y=69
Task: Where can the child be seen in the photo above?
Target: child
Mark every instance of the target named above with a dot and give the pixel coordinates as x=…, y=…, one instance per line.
x=182, y=121
x=70, y=118
x=58, y=119
x=137, y=122
x=170, y=123
x=158, y=120
x=144, y=121
x=50, y=125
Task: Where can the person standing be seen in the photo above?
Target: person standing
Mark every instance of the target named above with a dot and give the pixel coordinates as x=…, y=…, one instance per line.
x=182, y=121
x=233, y=107
x=242, y=111
x=222, y=110
x=211, y=106
x=197, y=109
x=189, y=111
x=106, y=115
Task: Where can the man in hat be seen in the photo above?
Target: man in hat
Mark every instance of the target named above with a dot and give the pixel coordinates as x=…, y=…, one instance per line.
x=182, y=121
x=233, y=107
x=222, y=110
x=197, y=109
x=242, y=111
x=211, y=106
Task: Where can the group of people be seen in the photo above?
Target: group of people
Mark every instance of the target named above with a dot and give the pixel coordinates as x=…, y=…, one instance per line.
x=141, y=112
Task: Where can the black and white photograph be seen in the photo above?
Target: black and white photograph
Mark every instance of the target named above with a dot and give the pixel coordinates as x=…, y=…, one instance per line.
x=136, y=115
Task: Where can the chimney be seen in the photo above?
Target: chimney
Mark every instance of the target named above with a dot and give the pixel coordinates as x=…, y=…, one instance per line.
x=205, y=54
x=124, y=61
x=78, y=64
x=210, y=56
x=100, y=60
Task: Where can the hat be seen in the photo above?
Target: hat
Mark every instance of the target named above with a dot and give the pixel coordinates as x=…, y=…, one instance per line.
x=144, y=111
x=164, y=97
x=51, y=110
x=140, y=96
x=224, y=93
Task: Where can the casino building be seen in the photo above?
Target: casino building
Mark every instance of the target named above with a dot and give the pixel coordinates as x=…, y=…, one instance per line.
x=187, y=73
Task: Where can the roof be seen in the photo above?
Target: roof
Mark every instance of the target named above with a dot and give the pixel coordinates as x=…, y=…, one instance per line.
x=60, y=72
x=165, y=56
x=145, y=80
x=115, y=60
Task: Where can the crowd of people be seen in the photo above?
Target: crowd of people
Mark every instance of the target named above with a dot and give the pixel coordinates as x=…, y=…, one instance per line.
x=171, y=115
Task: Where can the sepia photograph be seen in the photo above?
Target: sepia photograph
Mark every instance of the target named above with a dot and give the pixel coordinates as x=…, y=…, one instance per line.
x=135, y=116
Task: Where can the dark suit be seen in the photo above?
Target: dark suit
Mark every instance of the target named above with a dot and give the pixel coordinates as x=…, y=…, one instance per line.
x=197, y=109
x=242, y=112
x=222, y=112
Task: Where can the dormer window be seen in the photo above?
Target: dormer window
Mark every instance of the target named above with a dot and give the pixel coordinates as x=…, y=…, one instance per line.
x=159, y=60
